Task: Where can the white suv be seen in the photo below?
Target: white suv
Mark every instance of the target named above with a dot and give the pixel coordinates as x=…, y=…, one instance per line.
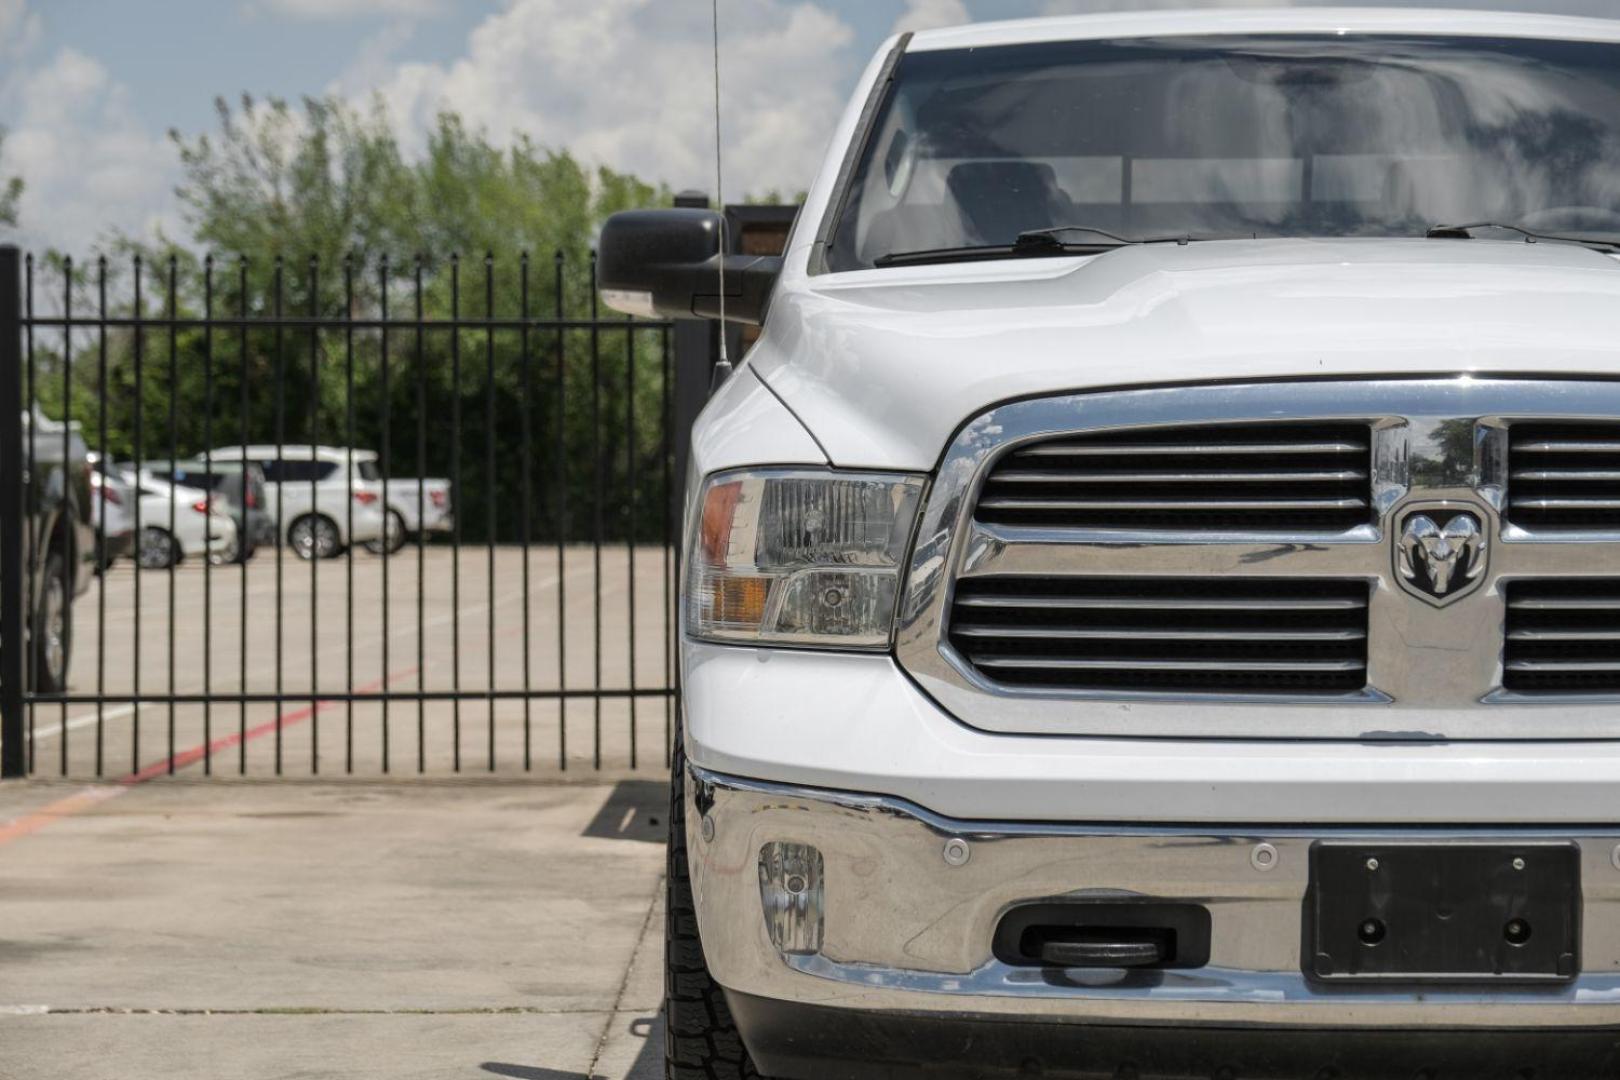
x=321, y=504
x=1153, y=590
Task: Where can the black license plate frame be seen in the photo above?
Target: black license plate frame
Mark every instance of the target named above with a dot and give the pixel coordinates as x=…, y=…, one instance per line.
x=1447, y=912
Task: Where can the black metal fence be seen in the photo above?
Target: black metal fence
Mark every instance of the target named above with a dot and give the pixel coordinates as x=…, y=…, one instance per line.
x=535, y=630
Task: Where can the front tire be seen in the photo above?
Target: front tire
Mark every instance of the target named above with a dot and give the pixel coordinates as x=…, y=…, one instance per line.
x=315, y=536
x=53, y=629
x=700, y=1037
x=155, y=549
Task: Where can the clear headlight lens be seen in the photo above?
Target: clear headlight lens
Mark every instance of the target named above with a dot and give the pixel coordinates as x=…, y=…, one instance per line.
x=800, y=557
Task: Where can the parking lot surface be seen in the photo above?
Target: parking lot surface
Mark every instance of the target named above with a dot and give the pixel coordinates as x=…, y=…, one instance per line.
x=254, y=930
x=306, y=633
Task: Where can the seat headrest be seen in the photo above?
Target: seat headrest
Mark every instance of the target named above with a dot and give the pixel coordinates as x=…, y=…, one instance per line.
x=1000, y=199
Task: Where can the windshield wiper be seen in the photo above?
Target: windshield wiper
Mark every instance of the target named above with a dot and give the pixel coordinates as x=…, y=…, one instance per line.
x=1466, y=232
x=1032, y=243
x=1050, y=236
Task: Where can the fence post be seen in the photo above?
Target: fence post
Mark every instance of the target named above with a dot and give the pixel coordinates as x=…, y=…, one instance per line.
x=13, y=761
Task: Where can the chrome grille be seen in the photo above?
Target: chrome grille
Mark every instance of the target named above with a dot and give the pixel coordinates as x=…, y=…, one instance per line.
x=1281, y=476
x=1563, y=636
x=1564, y=476
x=1259, y=635
x=1089, y=623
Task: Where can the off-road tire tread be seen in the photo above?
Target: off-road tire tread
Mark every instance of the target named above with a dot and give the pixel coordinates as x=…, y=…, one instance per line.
x=700, y=1036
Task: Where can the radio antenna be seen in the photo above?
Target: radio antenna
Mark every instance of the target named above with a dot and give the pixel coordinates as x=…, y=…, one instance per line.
x=720, y=191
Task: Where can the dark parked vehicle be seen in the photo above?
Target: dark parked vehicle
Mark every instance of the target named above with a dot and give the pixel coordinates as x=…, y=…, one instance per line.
x=59, y=544
x=240, y=487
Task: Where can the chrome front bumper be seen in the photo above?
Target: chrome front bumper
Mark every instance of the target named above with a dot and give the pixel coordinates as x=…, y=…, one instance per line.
x=907, y=931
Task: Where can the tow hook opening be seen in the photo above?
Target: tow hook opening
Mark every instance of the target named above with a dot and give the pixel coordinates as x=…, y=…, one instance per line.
x=1140, y=934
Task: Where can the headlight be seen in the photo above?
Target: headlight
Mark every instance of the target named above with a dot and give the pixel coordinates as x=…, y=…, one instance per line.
x=800, y=557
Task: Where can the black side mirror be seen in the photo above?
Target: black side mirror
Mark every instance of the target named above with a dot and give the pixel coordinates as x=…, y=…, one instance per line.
x=666, y=264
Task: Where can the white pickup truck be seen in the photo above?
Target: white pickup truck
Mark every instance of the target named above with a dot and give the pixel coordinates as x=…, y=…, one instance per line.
x=1153, y=590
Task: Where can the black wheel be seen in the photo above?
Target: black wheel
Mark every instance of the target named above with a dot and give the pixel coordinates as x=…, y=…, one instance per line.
x=155, y=549
x=393, y=537
x=53, y=629
x=700, y=1037
x=315, y=536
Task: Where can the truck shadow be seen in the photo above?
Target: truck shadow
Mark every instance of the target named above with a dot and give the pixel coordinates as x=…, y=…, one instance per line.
x=648, y=1065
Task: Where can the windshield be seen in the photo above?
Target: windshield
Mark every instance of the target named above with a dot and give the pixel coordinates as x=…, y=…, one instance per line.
x=1225, y=137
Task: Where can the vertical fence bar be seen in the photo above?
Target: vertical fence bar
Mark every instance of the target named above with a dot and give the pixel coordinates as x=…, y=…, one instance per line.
x=596, y=515
x=35, y=539
x=105, y=466
x=561, y=466
x=348, y=512
x=139, y=448
x=489, y=489
x=313, y=284
x=284, y=477
x=526, y=480
x=67, y=458
x=630, y=495
x=215, y=484
x=455, y=485
x=385, y=545
x=281, y=529
x=13, y=760
x=669, y=539
x=421, y=543
x=174, y=438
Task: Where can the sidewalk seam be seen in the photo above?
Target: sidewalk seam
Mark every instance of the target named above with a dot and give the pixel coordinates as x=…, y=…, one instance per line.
x=624, y=980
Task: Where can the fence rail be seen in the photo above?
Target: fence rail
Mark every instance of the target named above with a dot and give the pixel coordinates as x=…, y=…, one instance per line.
x=535, y=631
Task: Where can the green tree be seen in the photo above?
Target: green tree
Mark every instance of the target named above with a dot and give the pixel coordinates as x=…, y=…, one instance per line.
x=11, y=190
x=317, y=211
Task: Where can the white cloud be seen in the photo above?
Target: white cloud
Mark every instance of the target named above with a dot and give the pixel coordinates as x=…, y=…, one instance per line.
x=629, y=84
x=345, y=9
x=19, y=28
x=74, y=138
x=374, y=62
x=931, y=14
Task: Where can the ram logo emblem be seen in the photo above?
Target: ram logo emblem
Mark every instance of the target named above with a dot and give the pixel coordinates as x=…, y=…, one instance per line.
x=1441, y=563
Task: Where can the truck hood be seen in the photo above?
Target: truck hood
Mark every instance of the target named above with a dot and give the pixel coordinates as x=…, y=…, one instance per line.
x=883, y=366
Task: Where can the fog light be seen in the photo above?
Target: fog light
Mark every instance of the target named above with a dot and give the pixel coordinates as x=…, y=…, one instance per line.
x=791, y=891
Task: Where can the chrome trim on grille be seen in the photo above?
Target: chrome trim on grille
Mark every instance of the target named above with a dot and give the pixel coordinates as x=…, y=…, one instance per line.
x=1258, y=635
x=1277, y=475
x=1560, y=484
x=1563, y=636
x=1435, y=442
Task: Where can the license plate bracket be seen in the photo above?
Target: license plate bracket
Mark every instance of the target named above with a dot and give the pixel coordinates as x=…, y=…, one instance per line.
x=1446, y=912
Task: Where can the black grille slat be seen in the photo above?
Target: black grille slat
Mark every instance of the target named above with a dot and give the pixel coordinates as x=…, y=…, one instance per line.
x=1564, y=475
x=1267, y=477
x=1235, y=635
x=1563, y=636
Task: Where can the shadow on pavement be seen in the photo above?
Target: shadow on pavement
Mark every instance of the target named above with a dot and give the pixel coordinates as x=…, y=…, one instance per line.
x=648, y=1065
x=636, y=810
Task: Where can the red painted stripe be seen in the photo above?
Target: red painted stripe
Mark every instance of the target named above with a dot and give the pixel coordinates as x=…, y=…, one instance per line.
x=91, y=796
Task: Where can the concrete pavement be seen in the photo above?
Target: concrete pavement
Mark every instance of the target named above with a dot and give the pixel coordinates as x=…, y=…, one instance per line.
x=469, y=620
x=355, y=929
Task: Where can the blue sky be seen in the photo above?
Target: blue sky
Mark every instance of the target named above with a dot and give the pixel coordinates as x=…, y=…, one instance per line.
x=89, y=88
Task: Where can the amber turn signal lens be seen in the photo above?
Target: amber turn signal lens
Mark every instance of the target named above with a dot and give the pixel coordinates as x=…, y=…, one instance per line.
x=740, y=601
